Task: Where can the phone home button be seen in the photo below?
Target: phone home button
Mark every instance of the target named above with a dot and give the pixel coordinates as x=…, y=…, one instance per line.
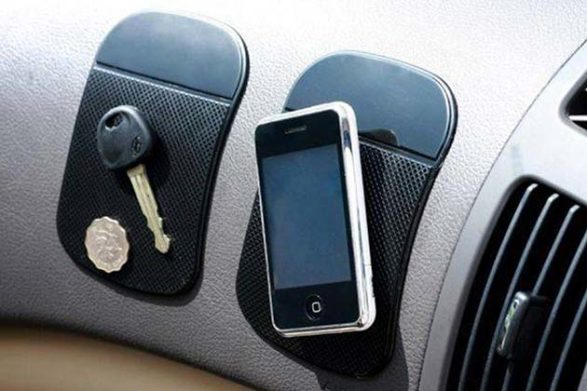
x=314, y=307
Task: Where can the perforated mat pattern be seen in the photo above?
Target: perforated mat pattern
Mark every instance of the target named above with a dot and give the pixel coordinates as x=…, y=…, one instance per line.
x=395, y=191
x=189, y=129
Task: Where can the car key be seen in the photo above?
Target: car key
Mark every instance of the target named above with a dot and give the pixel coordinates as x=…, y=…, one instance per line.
x=125, y=140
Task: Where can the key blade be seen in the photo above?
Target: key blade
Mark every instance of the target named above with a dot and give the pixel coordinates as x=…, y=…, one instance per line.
x=154, y=221
x=144, y=194
x=148, y=206
x=162, y=241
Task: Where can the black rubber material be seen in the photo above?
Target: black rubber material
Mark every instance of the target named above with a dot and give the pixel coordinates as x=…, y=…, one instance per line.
x=395, y=103
x=191, y=130
x=397, y=182
x=155, y=45
x=393, y=189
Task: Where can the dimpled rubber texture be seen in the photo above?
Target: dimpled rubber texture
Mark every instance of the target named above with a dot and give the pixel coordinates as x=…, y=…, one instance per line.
x=188, y=128
x=395, y=190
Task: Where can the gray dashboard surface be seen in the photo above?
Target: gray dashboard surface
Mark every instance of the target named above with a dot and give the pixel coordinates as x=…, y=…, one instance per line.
x=496, y=57
x=524, y=156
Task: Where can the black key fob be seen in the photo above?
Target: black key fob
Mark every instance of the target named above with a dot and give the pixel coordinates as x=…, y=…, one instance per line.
x=124, y=138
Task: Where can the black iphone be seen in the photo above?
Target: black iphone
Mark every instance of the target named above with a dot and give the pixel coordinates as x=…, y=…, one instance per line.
x=314, y=221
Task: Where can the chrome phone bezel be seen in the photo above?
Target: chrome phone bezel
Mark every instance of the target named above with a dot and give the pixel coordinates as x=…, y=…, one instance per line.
x=357, y=220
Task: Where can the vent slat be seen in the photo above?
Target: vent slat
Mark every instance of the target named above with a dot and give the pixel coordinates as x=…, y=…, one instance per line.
x=573, y=211
x=532, y=381
x=578, y=108
x=462, y=383
x=555, y=250
x=488, y=375
x=529, y=298
x=509, y=375
x=579, y=317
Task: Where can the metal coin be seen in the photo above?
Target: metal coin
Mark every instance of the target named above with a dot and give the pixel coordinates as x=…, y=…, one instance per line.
x=106, y=244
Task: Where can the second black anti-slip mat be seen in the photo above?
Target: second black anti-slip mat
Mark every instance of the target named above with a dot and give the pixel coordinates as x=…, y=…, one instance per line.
x=406, y=119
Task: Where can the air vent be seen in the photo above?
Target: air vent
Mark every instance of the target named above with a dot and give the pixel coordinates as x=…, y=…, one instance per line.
x=525, y=322
x=578, y=108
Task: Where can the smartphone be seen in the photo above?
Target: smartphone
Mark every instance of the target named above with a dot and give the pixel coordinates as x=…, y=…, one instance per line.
x=314, y=221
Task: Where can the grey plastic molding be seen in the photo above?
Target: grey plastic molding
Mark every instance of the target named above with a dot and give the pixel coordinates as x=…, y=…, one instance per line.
x=546, y=146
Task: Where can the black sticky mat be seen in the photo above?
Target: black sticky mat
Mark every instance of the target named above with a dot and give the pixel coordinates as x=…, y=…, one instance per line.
x=395, y=190
x=189, y=128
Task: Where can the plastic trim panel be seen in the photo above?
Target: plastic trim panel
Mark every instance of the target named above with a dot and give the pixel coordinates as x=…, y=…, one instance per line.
x=540, y=147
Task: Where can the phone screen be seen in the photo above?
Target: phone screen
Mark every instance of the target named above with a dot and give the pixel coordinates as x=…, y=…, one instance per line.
x=305, y=217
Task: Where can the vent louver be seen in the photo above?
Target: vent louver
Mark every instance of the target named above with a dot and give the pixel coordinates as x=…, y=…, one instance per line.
x=538, y=251
x=578, y=108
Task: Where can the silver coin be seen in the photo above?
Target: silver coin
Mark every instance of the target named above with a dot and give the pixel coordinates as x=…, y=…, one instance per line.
x=106, y=244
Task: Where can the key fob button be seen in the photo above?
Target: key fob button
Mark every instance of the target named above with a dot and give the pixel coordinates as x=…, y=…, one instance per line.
x=123, y=137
